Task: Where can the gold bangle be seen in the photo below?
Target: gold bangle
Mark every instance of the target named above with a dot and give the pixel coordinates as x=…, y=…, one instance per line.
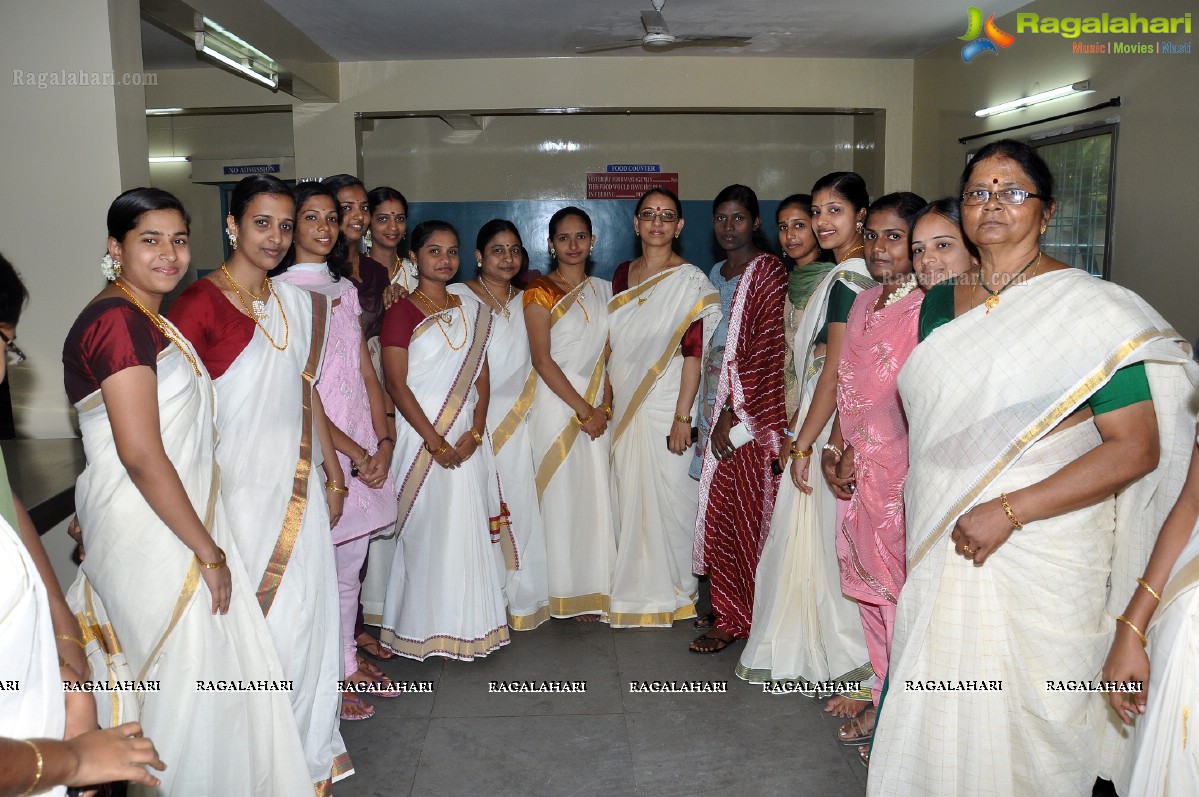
x=581, y=420
x=1135, y=630
x=1007, y=509
x=440, y=450
x=682, y=418
x=37, y=775
x=1149, y=589
x=69, y=638
x=212, y=565
x=477, y=436
x=335, y=488
x=607, y=410
x=801, y=454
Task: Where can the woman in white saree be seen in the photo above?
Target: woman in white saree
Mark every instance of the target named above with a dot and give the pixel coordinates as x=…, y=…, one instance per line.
x=512, y=382
x=662, y=316
x=264, y=345
x=1038, y=394
x=567, y=317
x=444, y=596
x=1166, y=605
x=804, y=629
x=155, y=527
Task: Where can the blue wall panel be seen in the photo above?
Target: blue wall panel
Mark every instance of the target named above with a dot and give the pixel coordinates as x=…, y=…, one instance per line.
x=612, y=221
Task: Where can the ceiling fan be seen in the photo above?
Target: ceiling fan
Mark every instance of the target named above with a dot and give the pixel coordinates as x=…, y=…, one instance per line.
x=658, y=36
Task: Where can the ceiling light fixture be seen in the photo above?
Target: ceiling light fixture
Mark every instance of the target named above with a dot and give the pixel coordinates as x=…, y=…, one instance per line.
x=170, y=159
x=1081, y=87
x=163, y=111
x=239, y=55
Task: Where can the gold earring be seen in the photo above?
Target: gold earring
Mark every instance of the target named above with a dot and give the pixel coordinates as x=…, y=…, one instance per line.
x=1044, y=227
x=860, y=227
x=232, y=239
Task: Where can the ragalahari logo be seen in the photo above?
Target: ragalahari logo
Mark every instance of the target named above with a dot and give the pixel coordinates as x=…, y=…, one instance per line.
x=981, y=36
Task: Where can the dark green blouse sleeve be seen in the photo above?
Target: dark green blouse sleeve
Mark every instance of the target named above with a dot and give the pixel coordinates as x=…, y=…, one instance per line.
x=1127, y=386
x=937, y=308
x=840, y=300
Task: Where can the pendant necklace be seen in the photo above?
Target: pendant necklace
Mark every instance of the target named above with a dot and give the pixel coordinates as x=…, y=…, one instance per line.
x=444, y=316
x=579, y=299
x=503, y=306
x=992, y=300
x=258, y=305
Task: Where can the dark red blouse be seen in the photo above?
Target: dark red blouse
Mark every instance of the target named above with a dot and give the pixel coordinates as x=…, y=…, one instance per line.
x=693, y=338
x=110, y=335
x=399, y=322
x=217, y=329
x=372, y=281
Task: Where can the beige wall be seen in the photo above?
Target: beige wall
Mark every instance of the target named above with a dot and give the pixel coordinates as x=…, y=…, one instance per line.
x=65, y=152
x=1156, y=164
x=549, y=156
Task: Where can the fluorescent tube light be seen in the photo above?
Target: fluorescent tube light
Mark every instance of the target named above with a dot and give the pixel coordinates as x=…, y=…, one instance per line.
x=162, y=111
x=226, y=48
x=1081, y=87
x=170, y=159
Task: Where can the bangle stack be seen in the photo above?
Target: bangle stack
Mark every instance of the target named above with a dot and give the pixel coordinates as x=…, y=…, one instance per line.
x=212, y=565
x=606, y=410
x=477, y=435
x=445, y=446
x=337, y=488
x=69, y=638
x=37, y=775
x=1135, y=630
x=1007, y=509
x=682, y=418
x=797, y=454
x=581, y=420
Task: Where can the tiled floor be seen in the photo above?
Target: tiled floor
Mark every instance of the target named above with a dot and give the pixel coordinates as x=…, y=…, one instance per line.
x=463, y=740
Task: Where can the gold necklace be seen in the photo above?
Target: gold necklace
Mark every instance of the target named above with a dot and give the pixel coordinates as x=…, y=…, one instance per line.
x=444, y=316
x=850, y=252
x=503, y=306
x=570, y=290
x=992, y=300
x=258, y=306
x=162, y=327
x=254, y=314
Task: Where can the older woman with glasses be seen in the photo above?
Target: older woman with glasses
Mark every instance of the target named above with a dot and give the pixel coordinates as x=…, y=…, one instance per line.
x=1049, y=432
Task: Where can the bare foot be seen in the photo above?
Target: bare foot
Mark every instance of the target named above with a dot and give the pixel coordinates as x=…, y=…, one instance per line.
x=586, y=618
x=840, y=706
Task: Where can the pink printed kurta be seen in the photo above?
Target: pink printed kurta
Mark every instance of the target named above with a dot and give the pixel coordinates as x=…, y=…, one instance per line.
x=343, y=395
x=871, y=542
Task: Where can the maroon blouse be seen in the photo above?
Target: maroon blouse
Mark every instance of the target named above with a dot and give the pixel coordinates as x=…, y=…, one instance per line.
x=217, y=329
x=693, y=338
x=372, y=281
x=399, y=322
x=110, y=335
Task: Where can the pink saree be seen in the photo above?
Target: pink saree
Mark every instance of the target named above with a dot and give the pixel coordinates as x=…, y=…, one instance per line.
x=871, y=543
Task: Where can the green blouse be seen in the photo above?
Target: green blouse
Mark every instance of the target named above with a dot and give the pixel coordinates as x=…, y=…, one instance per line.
x=839, y=301
x=1127, y=386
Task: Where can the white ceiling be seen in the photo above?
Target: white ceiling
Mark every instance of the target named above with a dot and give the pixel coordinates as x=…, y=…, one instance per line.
x=397, y=30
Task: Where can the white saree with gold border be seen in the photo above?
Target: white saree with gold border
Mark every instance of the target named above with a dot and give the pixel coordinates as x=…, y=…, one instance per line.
x=971, y=706
x=572, y=471
x=513, y=380
x=31, y=696
x=445, y=592
x=804, y=628
x=273, y=487
x=656, y=497
x=1166, y=763
x=146, y=614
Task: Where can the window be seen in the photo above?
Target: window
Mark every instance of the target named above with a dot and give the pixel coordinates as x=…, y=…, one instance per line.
x=1084, y=174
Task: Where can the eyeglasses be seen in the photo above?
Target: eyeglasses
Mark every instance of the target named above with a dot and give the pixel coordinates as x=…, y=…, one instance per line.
x=15, y=355
x=1008, y=196
x=667, y=216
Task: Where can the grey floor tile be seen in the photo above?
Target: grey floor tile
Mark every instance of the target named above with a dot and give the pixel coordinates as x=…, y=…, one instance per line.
x=526, y=757
x=385, y=753
x=408, y=673
x=651, y=657
x=744, y=751
x=570, y=652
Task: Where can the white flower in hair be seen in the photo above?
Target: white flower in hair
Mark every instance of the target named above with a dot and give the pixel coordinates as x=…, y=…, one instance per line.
x=110, y=268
